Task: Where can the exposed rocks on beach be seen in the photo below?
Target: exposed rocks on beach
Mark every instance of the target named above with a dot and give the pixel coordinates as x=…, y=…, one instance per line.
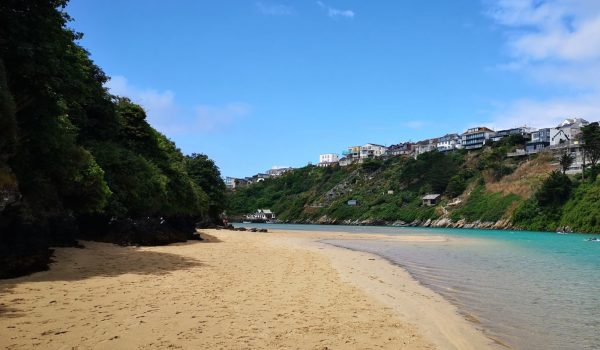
x=243, y=229
x=443, y=222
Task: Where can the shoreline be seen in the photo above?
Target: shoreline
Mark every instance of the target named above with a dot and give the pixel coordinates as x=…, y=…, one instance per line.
x=283, y=289
x=439, y=320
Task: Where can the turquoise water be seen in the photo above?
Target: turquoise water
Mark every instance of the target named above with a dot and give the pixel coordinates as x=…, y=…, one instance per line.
x=530, y=290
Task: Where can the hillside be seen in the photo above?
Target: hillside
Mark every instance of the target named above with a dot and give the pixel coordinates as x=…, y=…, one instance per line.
x=480, y=188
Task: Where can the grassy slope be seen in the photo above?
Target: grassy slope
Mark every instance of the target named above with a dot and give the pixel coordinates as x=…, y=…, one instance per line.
x=493, y=188
x=311, y=193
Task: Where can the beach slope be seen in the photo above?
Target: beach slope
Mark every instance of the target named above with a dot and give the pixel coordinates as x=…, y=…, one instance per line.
x=236, y=290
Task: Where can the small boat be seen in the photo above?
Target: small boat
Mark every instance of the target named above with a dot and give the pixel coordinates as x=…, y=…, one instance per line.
x=246, y=222
x=593, y=239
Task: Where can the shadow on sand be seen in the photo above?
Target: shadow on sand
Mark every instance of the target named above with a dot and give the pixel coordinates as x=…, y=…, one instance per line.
x=99, y=260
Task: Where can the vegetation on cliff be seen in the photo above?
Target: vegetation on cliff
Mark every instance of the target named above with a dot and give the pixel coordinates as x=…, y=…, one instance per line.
x=482, y=186
x=387, y=191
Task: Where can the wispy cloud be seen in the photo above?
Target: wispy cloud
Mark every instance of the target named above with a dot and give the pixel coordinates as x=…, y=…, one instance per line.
x=168, y=116
x=553, y=42
x=415, y=124
x=272, y=9
x=335, y=13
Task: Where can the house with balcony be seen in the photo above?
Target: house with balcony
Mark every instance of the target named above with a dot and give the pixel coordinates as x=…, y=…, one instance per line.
x=477, y=137
x=328, y=159
x=540, y=139
x=400, y=149
x=448, y=142
x=372, y=150
x=523, y=131
x=352, y=154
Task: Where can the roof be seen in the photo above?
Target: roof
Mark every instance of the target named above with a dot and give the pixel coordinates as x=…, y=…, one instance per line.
x=431, y=196
x=374, y=144
x=477, y=129
x=265, y=211
x=573, y=122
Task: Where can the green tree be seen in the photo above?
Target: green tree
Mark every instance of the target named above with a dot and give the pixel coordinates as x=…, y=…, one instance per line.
x=565, y=161
x=591, y=146
x=8, y=124
x=206, y=175
x=456, y=186
x=555, y=190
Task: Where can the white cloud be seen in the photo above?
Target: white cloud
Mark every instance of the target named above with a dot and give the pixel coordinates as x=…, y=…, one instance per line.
x=171, y=118
x=546, y=113
x=553, y=42
x=333, y=12
x=274, y=9
x=415, y=124
x=208, y=118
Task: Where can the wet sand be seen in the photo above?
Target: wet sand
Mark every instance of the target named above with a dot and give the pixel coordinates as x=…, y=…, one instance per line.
x=237, y=290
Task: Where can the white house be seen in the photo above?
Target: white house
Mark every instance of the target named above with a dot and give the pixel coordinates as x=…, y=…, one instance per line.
x=261, y=215
x=372, y=150
x=278, y=171
x=567, y=131
x=449, y=142
x=328, y=159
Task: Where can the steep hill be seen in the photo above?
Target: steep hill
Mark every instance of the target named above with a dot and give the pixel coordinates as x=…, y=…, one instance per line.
x=480, y=188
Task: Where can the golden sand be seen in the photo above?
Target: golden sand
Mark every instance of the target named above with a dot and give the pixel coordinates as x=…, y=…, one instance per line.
x=240, y=290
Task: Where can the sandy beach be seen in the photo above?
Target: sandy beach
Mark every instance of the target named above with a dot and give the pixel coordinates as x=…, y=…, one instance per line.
x=237, y=290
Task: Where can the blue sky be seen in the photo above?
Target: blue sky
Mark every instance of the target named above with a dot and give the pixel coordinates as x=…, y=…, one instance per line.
x=255, y=84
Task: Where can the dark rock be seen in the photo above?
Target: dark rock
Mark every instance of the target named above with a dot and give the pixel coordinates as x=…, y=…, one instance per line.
x=262, y=230
x=148, y=231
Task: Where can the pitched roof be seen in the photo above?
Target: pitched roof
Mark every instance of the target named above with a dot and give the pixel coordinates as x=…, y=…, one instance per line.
x=431, y=196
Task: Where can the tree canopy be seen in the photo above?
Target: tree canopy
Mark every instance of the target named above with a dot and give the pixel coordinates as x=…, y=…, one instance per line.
x=73, y=149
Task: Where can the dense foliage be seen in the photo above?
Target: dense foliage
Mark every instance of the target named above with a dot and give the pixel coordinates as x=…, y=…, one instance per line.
x=389, y=190
x=71, y=150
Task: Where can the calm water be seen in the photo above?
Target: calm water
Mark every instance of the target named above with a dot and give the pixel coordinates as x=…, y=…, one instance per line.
x=531, y=290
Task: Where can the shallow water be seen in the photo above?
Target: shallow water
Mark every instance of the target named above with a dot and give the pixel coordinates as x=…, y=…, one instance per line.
x=530, y=290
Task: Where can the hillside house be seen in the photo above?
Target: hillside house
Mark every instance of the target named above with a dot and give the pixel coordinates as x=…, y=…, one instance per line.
x=477, y=137
x=400, y=149
x=353, y=152
x=540, y=139
x=567, y=131
x=448, y=142
x=232, y=183
x=424, y=146
x=523, y=131
x=345, y=161
x=372, y=150
x=328, y=159
x=278, y=171
x=431, y=199
x=352, y=202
